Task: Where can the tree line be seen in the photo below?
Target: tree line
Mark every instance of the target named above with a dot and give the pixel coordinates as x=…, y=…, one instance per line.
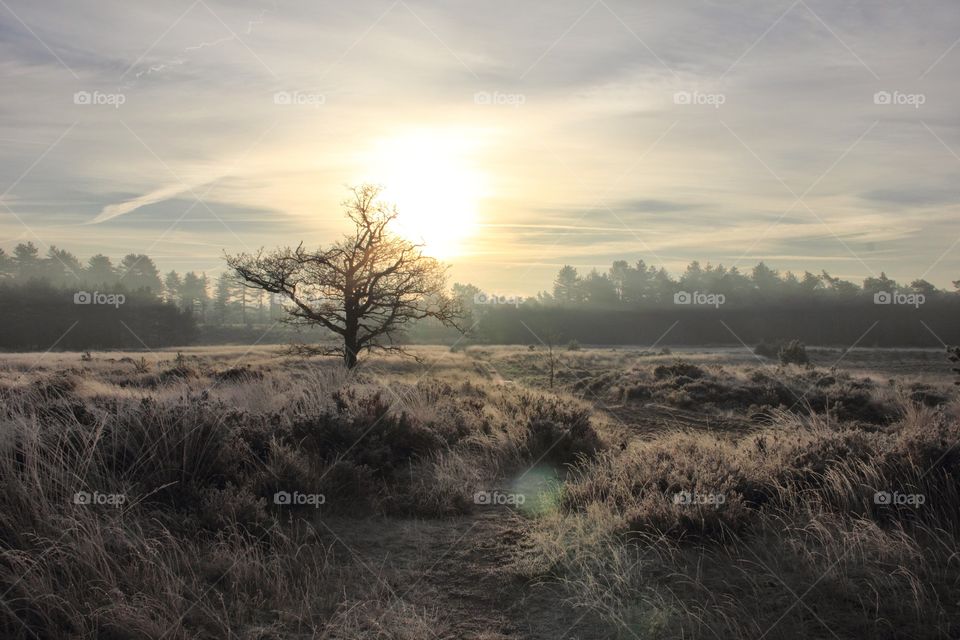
x=642, y=286
x=628, y=303
x=224, y=301
x=641, y=304
x=55, y=298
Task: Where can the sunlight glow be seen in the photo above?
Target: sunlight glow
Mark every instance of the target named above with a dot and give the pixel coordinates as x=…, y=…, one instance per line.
x=429, y=176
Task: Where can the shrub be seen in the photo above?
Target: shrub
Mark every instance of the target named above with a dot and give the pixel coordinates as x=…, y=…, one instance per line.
x=238, y=374
x=557, y=430
x=573, y=345
x=677, y=369
x=648, y=483
x=173, y=452
x=926, y=395
x=793, y=352
x=637, y=392
x=174, y=374
x=953, y=355
x=381, y=441
x=349, y=487
x=232, y=505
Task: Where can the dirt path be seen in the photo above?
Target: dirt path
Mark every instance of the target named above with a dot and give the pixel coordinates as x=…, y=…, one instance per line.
x=463, y=570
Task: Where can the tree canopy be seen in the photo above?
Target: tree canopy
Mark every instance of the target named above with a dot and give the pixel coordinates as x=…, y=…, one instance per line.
x=366, y=288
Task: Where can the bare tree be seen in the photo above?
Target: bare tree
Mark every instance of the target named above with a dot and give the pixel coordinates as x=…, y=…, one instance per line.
x=366, y=288
x=551, y=339
x=548, y=336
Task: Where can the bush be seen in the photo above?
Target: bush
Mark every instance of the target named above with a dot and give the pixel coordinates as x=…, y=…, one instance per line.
x=794, y=352
x=953, y=355
x=238, y=374
x=364, y=429
x=678, y=369
x=555, y=429
x=573, y=345
x=223, y=508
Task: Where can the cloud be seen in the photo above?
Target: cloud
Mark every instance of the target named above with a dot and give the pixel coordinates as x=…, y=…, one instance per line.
x=652, y=205
x=599, y=124
x=157, y=67
x=914, y=196
x=112, y=211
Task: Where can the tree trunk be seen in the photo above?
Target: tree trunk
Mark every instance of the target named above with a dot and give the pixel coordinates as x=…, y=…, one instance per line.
x=243, y=305
x=349, y=356
x=351, y=344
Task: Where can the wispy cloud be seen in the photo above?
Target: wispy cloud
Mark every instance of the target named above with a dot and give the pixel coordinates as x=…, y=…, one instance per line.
x=167, y=192
x=617, y=133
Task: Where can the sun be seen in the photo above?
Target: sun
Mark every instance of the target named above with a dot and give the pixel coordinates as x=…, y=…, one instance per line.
x=430, y=177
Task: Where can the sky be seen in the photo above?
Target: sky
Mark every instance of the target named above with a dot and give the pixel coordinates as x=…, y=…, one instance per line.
x=514, y=137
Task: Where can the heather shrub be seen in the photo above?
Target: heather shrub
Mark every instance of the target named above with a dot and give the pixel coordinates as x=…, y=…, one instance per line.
x=238, y=374
x=172, y=451
x=680, y=485
x=793, y=352
x=558, y=431
x=678, y=369
x=234, y=506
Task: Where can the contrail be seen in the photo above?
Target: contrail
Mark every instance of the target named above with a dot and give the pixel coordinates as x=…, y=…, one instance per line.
x=183, y=59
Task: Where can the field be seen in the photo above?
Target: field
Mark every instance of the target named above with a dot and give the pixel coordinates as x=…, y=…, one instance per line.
x=703, y=493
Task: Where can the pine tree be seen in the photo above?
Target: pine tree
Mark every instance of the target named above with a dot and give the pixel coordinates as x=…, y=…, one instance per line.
x=173, y=287
x=222, y=298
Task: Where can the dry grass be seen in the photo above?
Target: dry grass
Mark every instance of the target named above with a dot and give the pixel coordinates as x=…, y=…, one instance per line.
x=798, y=523
x=198, y=445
